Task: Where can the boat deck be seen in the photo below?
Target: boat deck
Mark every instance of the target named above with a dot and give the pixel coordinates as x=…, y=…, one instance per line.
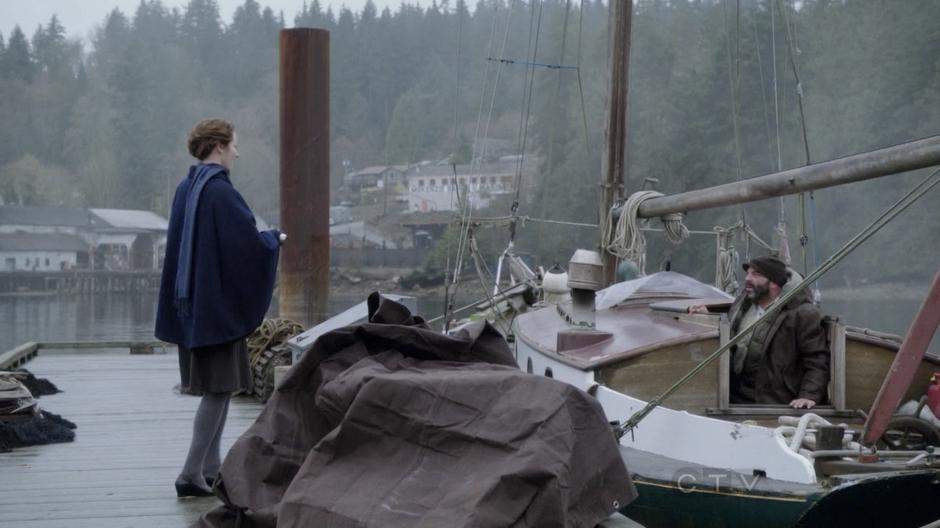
x=132, y=437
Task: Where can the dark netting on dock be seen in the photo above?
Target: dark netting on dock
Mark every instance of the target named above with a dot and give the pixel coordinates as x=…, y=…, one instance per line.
x=39, y=429
x=22, y=422
x=391, y=424
x=37, y=386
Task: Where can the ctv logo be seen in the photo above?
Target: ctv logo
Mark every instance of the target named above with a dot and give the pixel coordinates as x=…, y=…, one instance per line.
x=713, y=479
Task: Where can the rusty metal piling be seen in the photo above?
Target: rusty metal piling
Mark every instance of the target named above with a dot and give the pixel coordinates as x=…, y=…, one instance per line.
x=305, y=173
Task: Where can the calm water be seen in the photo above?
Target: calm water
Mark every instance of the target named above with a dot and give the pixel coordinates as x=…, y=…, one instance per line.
x=118, y=316
x=130, y=316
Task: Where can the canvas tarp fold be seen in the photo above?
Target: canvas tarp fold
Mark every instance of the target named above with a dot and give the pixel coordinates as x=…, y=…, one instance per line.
x=390, y=424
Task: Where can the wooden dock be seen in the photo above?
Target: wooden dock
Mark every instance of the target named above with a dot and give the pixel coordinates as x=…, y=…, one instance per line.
x=132, y=437
x=79, y=281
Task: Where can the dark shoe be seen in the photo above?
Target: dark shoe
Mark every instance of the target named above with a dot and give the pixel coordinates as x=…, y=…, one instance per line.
x=188, y=489
x=210, y=481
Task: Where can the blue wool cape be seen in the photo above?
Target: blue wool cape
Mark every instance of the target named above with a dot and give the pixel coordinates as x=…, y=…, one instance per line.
x=232, y=266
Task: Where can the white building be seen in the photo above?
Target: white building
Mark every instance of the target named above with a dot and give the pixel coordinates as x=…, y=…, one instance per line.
x=42, y=252
x=45, y=238
x=375, y=176
x=432, y=187
x=54, y=238
x=130, y=238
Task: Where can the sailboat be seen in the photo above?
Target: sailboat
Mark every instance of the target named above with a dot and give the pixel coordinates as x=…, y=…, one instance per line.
x=696, y=458
x=704, y=462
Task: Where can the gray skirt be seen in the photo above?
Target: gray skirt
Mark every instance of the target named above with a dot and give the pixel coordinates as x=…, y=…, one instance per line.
x=215, y=368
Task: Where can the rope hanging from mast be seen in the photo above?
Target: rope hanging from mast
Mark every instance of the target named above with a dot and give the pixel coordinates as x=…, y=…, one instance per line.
x=626, y=239
x=726, y=260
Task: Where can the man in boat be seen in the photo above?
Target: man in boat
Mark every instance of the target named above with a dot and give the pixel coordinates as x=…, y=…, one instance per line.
x=785, y=360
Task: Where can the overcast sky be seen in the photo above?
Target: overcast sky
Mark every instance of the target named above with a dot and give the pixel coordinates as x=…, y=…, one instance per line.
x=80, y=16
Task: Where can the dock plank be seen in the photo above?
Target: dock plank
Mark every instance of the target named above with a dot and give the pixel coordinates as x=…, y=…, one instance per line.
x=133, y=433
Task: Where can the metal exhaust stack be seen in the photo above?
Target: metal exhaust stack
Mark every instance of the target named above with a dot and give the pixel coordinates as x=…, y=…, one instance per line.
x=305, y=174
x=585, y=277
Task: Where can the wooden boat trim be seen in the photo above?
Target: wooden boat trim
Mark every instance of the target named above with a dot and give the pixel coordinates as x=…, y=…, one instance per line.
x=884, y=341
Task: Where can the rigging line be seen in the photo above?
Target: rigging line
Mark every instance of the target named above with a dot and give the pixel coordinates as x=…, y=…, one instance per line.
x=465, y=207
x=554, y=115
x=514, y=62
x=763, y=92
x=558, y=222
x=791, y=48
x=455, y=187
x=458, y=263
x=737, y=41
x=732, y=81
x=812, y=195
x=476, y=156
x=467, y=212
x=458, y=260
x=457, y=75
x=480, y=265
x=455, y=190
x=897, y=208
x=525, y=85
x=528, y=109
x=499, y=69
x=773, y=47
x=587, y=146
x=525, y=127
x=446, y=285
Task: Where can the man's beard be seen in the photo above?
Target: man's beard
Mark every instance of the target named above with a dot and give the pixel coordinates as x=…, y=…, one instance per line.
x=756, y=293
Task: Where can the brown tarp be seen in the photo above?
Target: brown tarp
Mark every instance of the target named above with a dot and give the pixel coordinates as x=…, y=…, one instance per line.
x=389, y=424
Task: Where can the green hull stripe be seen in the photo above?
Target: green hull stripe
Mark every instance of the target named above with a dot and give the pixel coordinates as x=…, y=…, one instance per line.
x=736, y=495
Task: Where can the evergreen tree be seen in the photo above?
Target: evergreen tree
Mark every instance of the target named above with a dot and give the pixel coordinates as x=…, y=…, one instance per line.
x=17, y=58
x=51, y=49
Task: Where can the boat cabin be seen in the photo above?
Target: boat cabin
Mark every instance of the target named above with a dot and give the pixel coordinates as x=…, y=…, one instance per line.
x=643, y=340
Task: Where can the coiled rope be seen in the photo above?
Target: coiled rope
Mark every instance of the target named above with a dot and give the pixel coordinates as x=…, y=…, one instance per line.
x=271, y=333
x=727, y=260
x=626, y=239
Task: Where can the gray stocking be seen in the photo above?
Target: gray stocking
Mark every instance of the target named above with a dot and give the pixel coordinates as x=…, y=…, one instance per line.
x=210, y=468
x=210, y=416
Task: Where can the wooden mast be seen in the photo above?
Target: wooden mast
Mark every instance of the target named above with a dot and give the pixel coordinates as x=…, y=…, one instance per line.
x=614, y=160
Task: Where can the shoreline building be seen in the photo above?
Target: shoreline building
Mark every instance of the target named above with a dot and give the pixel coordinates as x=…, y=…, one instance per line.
x=432, y=187
x=40, y=238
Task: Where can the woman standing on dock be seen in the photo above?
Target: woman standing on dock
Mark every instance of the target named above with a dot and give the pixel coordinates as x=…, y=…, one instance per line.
x=218, y=278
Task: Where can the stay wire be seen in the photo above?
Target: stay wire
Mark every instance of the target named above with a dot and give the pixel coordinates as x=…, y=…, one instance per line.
x=466, y=210
x=587, y=145
x=477, y=155
x=791, y=48
x=733, y=85
x=763, y=93
x=528, y=113
x=448, y=300
x=499, y=69
x=773, y=48
x=553, y=108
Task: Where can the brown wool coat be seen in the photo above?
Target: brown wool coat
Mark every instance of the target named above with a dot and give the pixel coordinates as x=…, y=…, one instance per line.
x=795, y=362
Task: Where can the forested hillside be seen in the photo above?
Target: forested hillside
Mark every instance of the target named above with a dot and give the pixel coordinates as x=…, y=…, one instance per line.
x=713, y=98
